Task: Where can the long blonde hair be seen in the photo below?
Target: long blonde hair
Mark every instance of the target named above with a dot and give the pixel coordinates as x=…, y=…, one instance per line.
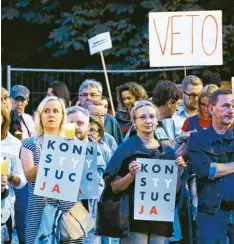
x=38, y=122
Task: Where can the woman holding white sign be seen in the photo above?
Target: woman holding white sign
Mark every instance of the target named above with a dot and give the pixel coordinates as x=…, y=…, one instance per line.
x=121, y=171
x=50, y=118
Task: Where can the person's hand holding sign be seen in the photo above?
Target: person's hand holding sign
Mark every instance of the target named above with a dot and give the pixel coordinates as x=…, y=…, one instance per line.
x=134, y=167
x=181, y=163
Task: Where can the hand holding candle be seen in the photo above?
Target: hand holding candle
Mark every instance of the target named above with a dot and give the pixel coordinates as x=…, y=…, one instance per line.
x=69, y=130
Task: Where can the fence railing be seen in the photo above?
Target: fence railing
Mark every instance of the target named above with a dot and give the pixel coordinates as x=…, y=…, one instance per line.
x=37, y=79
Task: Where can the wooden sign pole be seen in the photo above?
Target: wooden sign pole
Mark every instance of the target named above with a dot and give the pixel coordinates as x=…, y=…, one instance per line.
x=185, y=71
x=107, y=82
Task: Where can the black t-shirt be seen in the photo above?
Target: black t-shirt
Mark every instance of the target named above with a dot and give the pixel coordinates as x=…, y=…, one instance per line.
x=155, y=227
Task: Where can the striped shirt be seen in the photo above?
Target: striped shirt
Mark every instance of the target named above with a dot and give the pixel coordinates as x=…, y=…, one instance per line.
x=36, y=203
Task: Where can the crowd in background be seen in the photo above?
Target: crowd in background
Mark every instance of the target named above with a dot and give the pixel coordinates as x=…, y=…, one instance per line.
x=192, y=125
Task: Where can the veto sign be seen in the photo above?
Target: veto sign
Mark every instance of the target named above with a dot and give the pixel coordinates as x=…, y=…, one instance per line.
x=60, y=168
x=185, y=38
x=155, y=190
x=100, y=43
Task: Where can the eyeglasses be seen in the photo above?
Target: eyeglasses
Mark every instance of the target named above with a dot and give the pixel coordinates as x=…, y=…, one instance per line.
x=100, y=116
x=5, y=98
x=93, y=131
x=203, y=105
x=143, y=118
x=191, y=96
x=92, y=95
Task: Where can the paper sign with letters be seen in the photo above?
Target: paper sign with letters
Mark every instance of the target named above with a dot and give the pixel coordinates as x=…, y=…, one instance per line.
x=60, y=168
x=185, y=38
x=155, y=190
x=100, y=43
x=89, y=181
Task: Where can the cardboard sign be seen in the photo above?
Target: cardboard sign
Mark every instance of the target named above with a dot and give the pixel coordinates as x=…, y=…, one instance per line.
x=89, y=181
x=185, y=38
x=100, y=43
x=155, y=190
x=60, y=168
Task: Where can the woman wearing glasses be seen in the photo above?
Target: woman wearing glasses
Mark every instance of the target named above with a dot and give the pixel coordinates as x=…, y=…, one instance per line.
x=121, y=171
x=202, y=120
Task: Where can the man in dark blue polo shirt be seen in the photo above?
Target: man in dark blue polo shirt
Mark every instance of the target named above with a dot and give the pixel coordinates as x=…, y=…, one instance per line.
x=212, y=155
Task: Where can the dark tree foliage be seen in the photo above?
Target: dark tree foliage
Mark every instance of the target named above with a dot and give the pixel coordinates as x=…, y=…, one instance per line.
x=50, y=33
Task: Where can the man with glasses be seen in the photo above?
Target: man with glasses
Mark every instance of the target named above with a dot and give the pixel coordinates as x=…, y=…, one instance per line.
x=191, y=87
x=211, y=153
x=97, y=110
x=91, y=89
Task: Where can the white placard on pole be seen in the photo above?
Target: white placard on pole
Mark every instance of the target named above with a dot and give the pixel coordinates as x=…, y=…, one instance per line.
x=100, y=43
x=185, y=38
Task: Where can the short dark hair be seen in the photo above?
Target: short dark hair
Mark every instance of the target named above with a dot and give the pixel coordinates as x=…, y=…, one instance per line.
x=190, y=80
x=215, y=95
x=164, y=91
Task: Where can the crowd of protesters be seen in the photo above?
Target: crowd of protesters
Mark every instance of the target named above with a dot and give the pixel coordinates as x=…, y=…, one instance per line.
x=192, y=125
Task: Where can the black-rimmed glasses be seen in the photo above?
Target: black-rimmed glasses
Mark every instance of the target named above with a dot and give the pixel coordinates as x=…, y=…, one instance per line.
x=191, y=96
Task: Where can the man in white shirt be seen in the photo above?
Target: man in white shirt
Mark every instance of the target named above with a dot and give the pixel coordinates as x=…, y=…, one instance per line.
x=20, y=98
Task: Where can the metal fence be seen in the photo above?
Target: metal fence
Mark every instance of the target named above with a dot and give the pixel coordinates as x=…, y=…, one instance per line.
x=37, y=79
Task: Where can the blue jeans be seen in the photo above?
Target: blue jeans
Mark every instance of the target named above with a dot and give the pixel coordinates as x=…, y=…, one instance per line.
x=144, y=238
x=21, y=204
x=93, y=239
x=215, y=228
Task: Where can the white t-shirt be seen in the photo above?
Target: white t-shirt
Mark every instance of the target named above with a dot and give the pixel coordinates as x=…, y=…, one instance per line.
x=30, y=124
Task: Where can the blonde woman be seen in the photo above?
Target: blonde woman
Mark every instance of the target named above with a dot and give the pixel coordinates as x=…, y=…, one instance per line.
x=50, y=118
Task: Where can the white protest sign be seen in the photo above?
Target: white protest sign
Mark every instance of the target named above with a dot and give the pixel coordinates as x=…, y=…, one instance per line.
x=60, y=168
x=233, y=85
x=89, y=180
x=155, y=190
x=185, y=38
x=100, y=43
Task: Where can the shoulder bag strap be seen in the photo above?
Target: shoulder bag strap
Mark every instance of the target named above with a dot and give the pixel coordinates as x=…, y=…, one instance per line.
x=22, y=119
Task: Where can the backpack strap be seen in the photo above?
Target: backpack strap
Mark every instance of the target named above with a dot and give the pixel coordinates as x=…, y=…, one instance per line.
x=22, y=119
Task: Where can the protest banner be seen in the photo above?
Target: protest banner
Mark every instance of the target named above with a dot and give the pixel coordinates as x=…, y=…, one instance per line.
x=155, y=190
x=60, y=168
x=89, y=180
x=185, y=38
x=100, y=43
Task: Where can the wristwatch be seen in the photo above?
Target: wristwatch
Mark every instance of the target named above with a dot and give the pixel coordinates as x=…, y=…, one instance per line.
x=10, y=177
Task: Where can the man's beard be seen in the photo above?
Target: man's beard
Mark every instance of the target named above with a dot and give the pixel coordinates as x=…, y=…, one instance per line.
x=193, y=107
x=81, y=136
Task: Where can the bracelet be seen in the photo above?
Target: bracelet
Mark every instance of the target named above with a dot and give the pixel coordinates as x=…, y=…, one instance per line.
x=11, y=177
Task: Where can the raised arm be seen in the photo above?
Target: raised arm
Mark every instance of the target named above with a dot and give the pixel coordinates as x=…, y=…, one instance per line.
x=27, y=159
x=122, y=183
